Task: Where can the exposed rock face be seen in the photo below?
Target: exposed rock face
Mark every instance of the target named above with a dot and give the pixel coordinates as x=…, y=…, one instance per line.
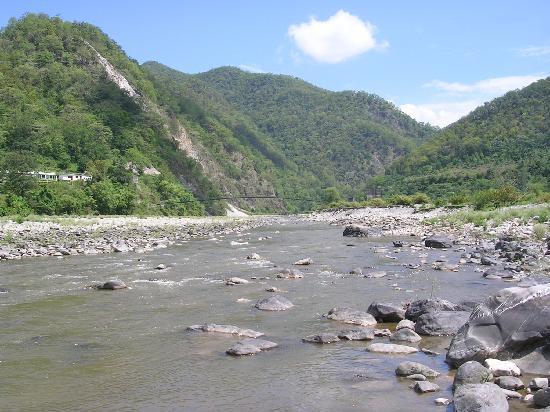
x=274, y=303
x=113, y=285
x=420, y=307
x=322, y=338
x=412, y=368
x=485, y=397
x=472, y=372
x=357, y=334
x=391, y=348
x=441, y=323
x=230, y=329
x=354, y=317
x=250, y=347
x=356, y=231
x=386, y=312
x=437, y=242
x=508, y=324
x=405, y=335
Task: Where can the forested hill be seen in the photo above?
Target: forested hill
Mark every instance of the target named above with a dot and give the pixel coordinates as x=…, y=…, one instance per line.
x=504, y=142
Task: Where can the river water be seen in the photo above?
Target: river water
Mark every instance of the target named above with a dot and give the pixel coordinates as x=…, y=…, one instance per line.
x=65, y=347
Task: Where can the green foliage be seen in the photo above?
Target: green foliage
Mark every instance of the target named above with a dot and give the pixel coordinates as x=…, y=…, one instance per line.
x=331, y=195
x=495, y=198
x=113, y=198
x=177, y=201
x=539, y=231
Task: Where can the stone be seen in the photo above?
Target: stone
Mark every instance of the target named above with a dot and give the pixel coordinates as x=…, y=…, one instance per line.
x=416, y=377
x=376, y=275
x=537, y=362
x=250, y=347
x=391, y=348
x=472, y=372
x=538, y=383
x=411, y=368
x=357, y=334
x=322, y=338
x=529, y=398
x=254, y=256
x=511, y=383
x=405, y=324
x=442, y=401
x=485, y=397
x=397, y=243
x=429, y=352
x=290, y=274
x=120, y=247
x=236, y=281
x=351, y=316
x=542, y=398
x=229, y=329
x=510, y=394
x=420, y=307
x=274, y=303
x=381, y=333
x=502, y=368
x=113, y=285
x=441, y=323
x=273, y=289
x=356, y=271
x=405, y=335
x=425, y=387
x=356, y=231
x=162, y=266
x=507, y=324
x=304, y=262
x=386, y=312
x=437, y=243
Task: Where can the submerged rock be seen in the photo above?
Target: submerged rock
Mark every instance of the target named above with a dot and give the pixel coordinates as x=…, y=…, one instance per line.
x=236, y=281
x=391, y=348
x=113, y=285
x=274, y=303
x=250, y=347
x=254, y=256
x=304, y=262
x=322, y=338
x=354, y=317
x=386, y=312
x=229, y=329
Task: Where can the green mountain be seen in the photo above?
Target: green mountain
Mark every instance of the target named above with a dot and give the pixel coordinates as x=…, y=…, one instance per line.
x=505, y=142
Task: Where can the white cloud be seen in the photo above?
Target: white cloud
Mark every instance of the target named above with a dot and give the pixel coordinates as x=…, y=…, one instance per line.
x=251, y=69
x=494, y=86
x=340, y=37
x=535, y=51
x=440, y=114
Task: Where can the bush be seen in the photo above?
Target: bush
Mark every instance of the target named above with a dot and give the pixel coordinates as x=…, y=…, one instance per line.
x=539, y=231
x=400, y=200
x=495, y=198
x=420, y=198
x=113, y=198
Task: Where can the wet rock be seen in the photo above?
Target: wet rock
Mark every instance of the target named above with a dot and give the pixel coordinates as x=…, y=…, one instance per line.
x=322, y=338
x=290, y=274
x=538, y=383
x=254, y=256
x=273, y=289
x=250, y=347
x=113, y=285
x=472, y=372
x=357, y=334
x=429, y=352
x=412, y=368
x=356, y=231
x=437, y=242
x=502, y=368
x=493, y=273
x=510, y=394
x=120, y=247
x=355, y=317
x=381, y=333
x=529, y=398
x=442, y=401
x=304, y=262
x=391, y=348
x=229, y=329
x=236, y=281
x=510, y=322
x=542, y=398
x=397, y=243
x=274, y=303
x=416, y=377
x=386, y=312
x=536, y=362
x=4, y=290
x=441, y=323
x=425, y=387
x=485, y=397
x=356, y=271
x=162, y=266
x=376, y=275
x=405, y=335
x=511, y=383
x=405, y=324
x=420, y=307
x=487, y=261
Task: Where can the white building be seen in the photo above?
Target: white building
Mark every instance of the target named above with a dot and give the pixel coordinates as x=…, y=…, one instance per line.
x=74, y=177
x=65, y=177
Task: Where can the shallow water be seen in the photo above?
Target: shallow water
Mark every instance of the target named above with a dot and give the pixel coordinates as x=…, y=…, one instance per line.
x=64, y=347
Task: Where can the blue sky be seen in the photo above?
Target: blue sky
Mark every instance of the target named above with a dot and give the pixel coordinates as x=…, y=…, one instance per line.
x=436, y=60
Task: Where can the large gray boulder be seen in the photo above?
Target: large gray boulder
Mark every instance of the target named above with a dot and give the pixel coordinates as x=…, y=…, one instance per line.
x=542, y=398
x=420, y=307
x=441, y=323
x=408, y=368
x=509, y=324
x=485, y=397
x=274, y=303
x=354, y=317
x=472, y=372
x=386, y=312
x=405, y=335
x=536, y=362
x=356, y=231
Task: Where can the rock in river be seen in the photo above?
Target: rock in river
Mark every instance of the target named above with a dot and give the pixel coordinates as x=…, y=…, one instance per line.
x=502, y=368
x=425, y=387
x=356, y=231
x=405, y=335
x=386, y=312
x=408, y=368
x=236, y=281
x=511, y=383
x=354, y=317
x=542, y=398
x=322, y=338
x=441, y=323
x=274, y=303
x=230, y=329
x=113, y=285
x=420, y=307
x=472, y=372
x=304, y=262
x=250, y=347
x=357, y=334
x=508, y=323
x=290, y=274
x=391, y=348
x=405, y=324
x=437, y=243
x=485, y=397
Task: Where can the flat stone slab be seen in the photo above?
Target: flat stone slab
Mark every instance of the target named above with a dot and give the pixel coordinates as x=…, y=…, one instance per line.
x=322, y=338
x=236, y=281
x=229, y=329
x=354, y=317
x=357, y=334
x=413, y=368
x=250, y=347
x=391, y=348
x=425, y=387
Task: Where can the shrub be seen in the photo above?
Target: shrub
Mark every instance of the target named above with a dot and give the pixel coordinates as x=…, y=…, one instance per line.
x=400, y=200
x=494, y=198
x=539, y=231
x=420, y=198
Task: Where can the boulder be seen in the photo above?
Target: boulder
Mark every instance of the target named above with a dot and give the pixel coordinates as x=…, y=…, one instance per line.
x=113, y=285
x=420, y=307
x=412, y=368
x=542, y=398
x=356, y=231
x=508, y=324
x=274, y=303
x=391, y=348
x=273, y=289
x=229, y=329
x=250, y=347
x=511, y=383
x=425, y=387
x=484, y=397
x=472, y=372
x=162, y=266
x=304, y=262
x=537, y=362
x=254, y=256
x=538, y=383
x=351, y=316
x=120, y=247
x=405, y=324
x=357, y=334
x=405, y=335
x=437, y=242
x=290, y=274
x=441, y=323
x=416, y=377
x=236, y=281
x=488, y=261
x=386, y=312
x=322, y=338
x=502, y=368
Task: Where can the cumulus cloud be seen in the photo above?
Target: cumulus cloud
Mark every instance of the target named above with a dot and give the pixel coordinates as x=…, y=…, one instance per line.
x=251, y=69
x=340, y=37
x=440, y=114
x=497, y=85
x=535, y=51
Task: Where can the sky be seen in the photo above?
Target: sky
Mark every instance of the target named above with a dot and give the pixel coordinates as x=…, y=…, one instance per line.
x=435, y=60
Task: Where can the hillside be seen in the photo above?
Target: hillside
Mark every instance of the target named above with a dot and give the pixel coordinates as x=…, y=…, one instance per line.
x=504, y=142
